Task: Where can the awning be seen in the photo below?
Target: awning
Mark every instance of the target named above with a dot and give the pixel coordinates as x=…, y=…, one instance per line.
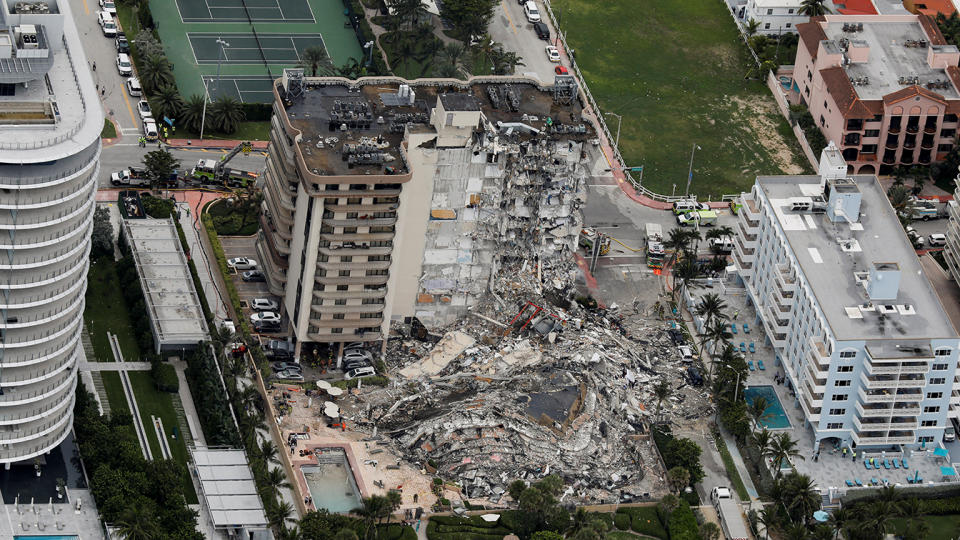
x=941, y=452
x=948, y=471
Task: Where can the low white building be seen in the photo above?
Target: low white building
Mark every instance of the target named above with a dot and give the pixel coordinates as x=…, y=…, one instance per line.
x=775, y=16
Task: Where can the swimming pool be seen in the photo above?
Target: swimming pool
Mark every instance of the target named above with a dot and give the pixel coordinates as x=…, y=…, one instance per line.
x=776, y=416
x=331, y=482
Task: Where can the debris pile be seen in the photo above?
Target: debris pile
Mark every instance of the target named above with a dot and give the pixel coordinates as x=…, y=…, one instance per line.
x=529, y=384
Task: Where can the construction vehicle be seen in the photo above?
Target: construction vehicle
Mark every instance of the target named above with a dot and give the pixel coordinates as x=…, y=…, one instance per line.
x=654, y=246
x=731, y=518
x=589, y=236
x=211, y=171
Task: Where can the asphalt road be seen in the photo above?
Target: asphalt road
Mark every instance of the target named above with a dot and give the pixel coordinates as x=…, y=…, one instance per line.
x=124, y=154
x=509, y=26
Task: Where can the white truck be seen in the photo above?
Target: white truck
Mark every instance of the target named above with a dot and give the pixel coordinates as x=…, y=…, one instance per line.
x=130, y=177
x=728, y=510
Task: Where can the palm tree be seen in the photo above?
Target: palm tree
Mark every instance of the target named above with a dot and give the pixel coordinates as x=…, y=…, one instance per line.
x=137, y=523
x=677, y=240
x=717, y=334
x=373, y=509
x=796, y=531
x=408, y=11
x=813, y=8
x=452, y=54
x=684, y=272
x=226, y=114
x=800, y=497
x=154, y=72
x=317, y=60
x=661, y=391
x=191, y=115
x=167, y=102
x=889, y=494
x=394, y=499
x=768, y=518
x=289, y=533
x=782, y=448
x=711, y=308
x=752, y=26
x=879, y=517
x=839, y=520
x=353, y=69
x=758, y=410
x=761, y=439
x=279, y=513
x=268, y=451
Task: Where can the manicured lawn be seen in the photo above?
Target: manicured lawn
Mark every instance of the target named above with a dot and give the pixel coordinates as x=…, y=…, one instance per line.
x=248, y=131
x=106, y=311
x=118, y=400
x=675, y=71
x=941, y=527
x=108, y=131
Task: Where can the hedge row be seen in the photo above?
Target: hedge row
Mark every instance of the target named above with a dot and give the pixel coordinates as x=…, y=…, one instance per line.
x=164, y=376
x=211, y=399
x=375, y=380
x=225, y=272
x=135, y=300
x=683, y=524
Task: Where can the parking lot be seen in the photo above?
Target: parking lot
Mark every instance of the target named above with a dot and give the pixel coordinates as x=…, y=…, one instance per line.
x=237, y=246
x=509, y=26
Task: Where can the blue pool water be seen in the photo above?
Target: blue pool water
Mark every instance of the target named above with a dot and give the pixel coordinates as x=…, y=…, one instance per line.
x=776, y=417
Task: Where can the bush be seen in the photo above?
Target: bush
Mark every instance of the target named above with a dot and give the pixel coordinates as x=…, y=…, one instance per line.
x=211, y=399
x=395, y=531
x=621, y=521
x=376, y=380
x=679, y=453
x=156, y=207
x=257, y=112
x=164, y=377
x=683, y=523
x=144, y=16
x=644, y=520
x=225, y=272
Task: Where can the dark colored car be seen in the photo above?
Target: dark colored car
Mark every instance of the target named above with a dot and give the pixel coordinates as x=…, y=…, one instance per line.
x=676, y=336
x=266, y=327
x=253, y=275
x=694, y=376
x=286, y=366
x=543, y=32
x=122, y=45
x=354, y=363
x=278, y=349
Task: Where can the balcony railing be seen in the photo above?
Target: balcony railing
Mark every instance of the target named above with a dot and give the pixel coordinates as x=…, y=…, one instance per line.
x=892, y=383
x=886, y=411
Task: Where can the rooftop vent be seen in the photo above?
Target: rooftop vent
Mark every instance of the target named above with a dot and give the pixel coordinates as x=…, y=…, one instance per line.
x=906, y=309
x=849, y=245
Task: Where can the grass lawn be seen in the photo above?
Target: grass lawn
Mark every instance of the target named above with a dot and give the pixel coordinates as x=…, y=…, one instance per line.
x=623, y=535
x=675, y=71
x=118, y=400
x=941, y=527
x=248, y=131
x=106, y=311
x=731, y=468
x=108, y=131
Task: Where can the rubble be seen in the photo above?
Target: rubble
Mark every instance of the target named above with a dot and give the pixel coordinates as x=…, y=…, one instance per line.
x=528, y=386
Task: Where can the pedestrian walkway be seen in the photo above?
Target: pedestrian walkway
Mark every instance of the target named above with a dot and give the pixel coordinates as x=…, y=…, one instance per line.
x=190, y=223
x=739, y=464
x=213, y=144
x=187, y=408
x=131, y=400
x=114, y=366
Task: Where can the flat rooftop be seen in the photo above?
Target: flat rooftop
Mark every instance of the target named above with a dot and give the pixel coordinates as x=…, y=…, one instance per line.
x=829, y=261
x=376, y=117
x=890, y=58
x=228, y=488
x=175, y=313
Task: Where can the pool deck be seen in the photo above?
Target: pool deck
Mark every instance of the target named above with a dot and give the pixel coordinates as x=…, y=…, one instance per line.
x=311, y=459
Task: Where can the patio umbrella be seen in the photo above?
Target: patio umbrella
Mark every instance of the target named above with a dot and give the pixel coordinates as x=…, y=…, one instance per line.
x=490, y=518
x=821, y=516
x=916, y=476
x=324, y=385
x=333, y=391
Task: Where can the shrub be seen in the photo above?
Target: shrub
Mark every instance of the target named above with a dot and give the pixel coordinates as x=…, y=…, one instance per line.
x=145, y=17
x=376, y=380
x=164, y=377
x=224, y=271
x=683, y=524
x=157, y=207
x=211, y=399
x=621, y=521
x=644, y=520
x=258, y=112
x=395, y=531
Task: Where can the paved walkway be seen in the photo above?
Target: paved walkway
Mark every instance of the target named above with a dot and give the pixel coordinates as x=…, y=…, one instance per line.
x=212, y=143
x=189, y=408
x=114, y=366
x=189, y=222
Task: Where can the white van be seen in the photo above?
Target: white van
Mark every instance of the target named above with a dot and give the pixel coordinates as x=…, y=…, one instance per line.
x=150, y=129
x=360, y=372
x=107, y=24
x=531, y=11
x=133, y=87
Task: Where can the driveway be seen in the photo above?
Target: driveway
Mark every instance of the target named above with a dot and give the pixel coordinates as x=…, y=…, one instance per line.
x=509, y=26
x=244, y=246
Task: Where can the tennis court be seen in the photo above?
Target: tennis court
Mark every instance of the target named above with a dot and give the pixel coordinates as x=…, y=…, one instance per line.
x=238, y=10
x=246, y=88
x=244, y=48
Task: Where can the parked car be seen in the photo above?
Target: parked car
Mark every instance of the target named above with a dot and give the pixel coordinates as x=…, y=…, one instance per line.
x=553, y=54
x=290, y=376
x=686, y=353
x=253, y=275
x=916, y=238
x=109, y=7
x=143, y=109
x=543, y=32
x=355, y=345
x=354, y=363
x=278, y=349
x=107, y=25
x=124, y=66
x=937, y=240
x=358, y=353
x=264, y=304
x=150, y=129
x=531, y=11
x=286, y=366
x=133, y=87
x=688, y=205
x=694, y=377
x=123, y=46
x=265, y=316
x=360, y=372
x=242, y=263
x=676, y=336
x=266, y=327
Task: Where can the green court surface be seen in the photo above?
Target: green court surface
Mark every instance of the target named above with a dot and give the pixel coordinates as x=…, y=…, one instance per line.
x=189, y=30
x=244, y=10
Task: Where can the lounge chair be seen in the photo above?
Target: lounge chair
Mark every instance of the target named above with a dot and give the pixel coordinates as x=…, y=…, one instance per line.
x=866, y=465
x=734, y=328
x=896, y=464
x=753, y=348
x=743, y=347
x=903, y=461
x=760, y=365
x=859, y=483
x=909, y=479
x=849, y=483
x=746, y=329
x=886, y=464
x=750, y=366
x=873, y=481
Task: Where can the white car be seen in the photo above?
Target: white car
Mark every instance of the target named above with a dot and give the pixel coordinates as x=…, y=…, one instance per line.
x=134, y=88
x=107, y=24
x=143, y=107
x=242, y=263
x=531, y=11
x=553, y=54
x=268, y=317
x=937, y=240
x=124, y=66
x=108, y=6
x=264, y=304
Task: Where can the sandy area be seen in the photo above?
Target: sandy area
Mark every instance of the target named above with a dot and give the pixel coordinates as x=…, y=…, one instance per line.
x=763, y=116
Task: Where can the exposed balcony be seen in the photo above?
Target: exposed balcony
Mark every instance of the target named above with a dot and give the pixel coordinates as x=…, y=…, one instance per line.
x=357, y=237
x=884, y=396
x=355, y=250
x=360, y=222
x=913, y=128
x=892, y=143
x=344, y=208
x=776, y=321
x=352, y=280
x=347, y=323
x=369, y=265
x=746, y=254
x=747, y=239
x=349, y=295
x=785, y=278
x=866, y=440
x=930, y=128
x=357, y=308
x=874, y=368
x=884, y=410
x=893, y=382
x=899, y=423
x=893, y=129
x=924, y=158
x=366, y=336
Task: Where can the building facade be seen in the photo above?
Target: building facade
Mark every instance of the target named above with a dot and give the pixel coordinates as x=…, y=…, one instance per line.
x=856, y=327
x=884, y=88
x=393, y=200
x=951, y=251
x=775, y=16
x=50, y=122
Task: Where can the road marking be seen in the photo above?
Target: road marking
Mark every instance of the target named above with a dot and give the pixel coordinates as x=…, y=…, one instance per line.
x=507, y=13
x=86, y=10
x=123, y=92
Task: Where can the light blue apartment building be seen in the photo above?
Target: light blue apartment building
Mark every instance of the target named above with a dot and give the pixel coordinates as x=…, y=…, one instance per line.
x=857, y=328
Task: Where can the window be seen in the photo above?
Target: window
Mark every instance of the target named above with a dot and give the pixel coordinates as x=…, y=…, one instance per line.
x=336, y=331
x=841, y=383
x=925, y=439
x=339, y=315
x=344, y=273
x=928, y=423
x=937, y=380
x=825, y=106
x=940, y=367
x=840, y=397
x=789, y=12
x=769, y=12
x=949, y=118
x=823, y=121
x=871, y=133
x=944, y=147
x=838, y=412
x=868, y=149
x=844, y=369
x=942, y=352
x=341, y=302
x=835, y=425
x=767, y=26
x=809, y=75
x=341, y=287
x=848, y=354
x=948, y=132
x=934, y=395
x=931, y=409
x=788, y=24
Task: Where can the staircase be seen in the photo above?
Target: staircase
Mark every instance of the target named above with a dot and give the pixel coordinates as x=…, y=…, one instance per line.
x=184, y=428
x=95, y=375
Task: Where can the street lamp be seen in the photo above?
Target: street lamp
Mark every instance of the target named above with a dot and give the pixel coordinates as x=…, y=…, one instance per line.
x=628, y=169
x=619, y=121
x=369, y=45
x=690, y=171
x=206, y=90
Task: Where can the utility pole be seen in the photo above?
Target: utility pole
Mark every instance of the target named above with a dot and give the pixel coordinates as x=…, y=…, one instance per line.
x=616, y=141
x=690, y=171
x=206, y=93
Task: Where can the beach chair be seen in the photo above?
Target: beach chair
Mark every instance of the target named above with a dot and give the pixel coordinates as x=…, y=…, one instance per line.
x=753, y=348
x=743, y=347
x=734, y=328
x=760, y=365
x=750, y=366
x=896, y=464
x=903, y=461
x=746, y=329
x=866, y=465
x=849, y=483
x=909, y=479
x=859, y=483
x=873, y=481
x=886, y=464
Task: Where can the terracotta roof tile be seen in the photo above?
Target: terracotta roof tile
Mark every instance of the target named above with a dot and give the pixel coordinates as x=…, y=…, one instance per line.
x=911, y=91
x=811, y=34
x=932, y=30
x=845, y=95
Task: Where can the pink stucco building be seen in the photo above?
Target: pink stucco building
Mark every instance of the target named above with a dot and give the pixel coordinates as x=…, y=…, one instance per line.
x=884, y=88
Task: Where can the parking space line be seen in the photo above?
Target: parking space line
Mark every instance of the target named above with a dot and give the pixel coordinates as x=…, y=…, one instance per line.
x=123, y=92
x=507, y=13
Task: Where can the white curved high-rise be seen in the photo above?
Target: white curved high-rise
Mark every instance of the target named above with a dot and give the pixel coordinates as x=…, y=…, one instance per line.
x=50, y=122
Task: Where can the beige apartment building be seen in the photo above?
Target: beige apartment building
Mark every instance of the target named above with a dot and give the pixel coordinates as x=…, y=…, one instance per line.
x=388, y=200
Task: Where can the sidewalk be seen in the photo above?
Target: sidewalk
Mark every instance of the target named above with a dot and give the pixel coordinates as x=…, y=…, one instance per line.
x=189, y=409
x=212, y=143
x=198, y=254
